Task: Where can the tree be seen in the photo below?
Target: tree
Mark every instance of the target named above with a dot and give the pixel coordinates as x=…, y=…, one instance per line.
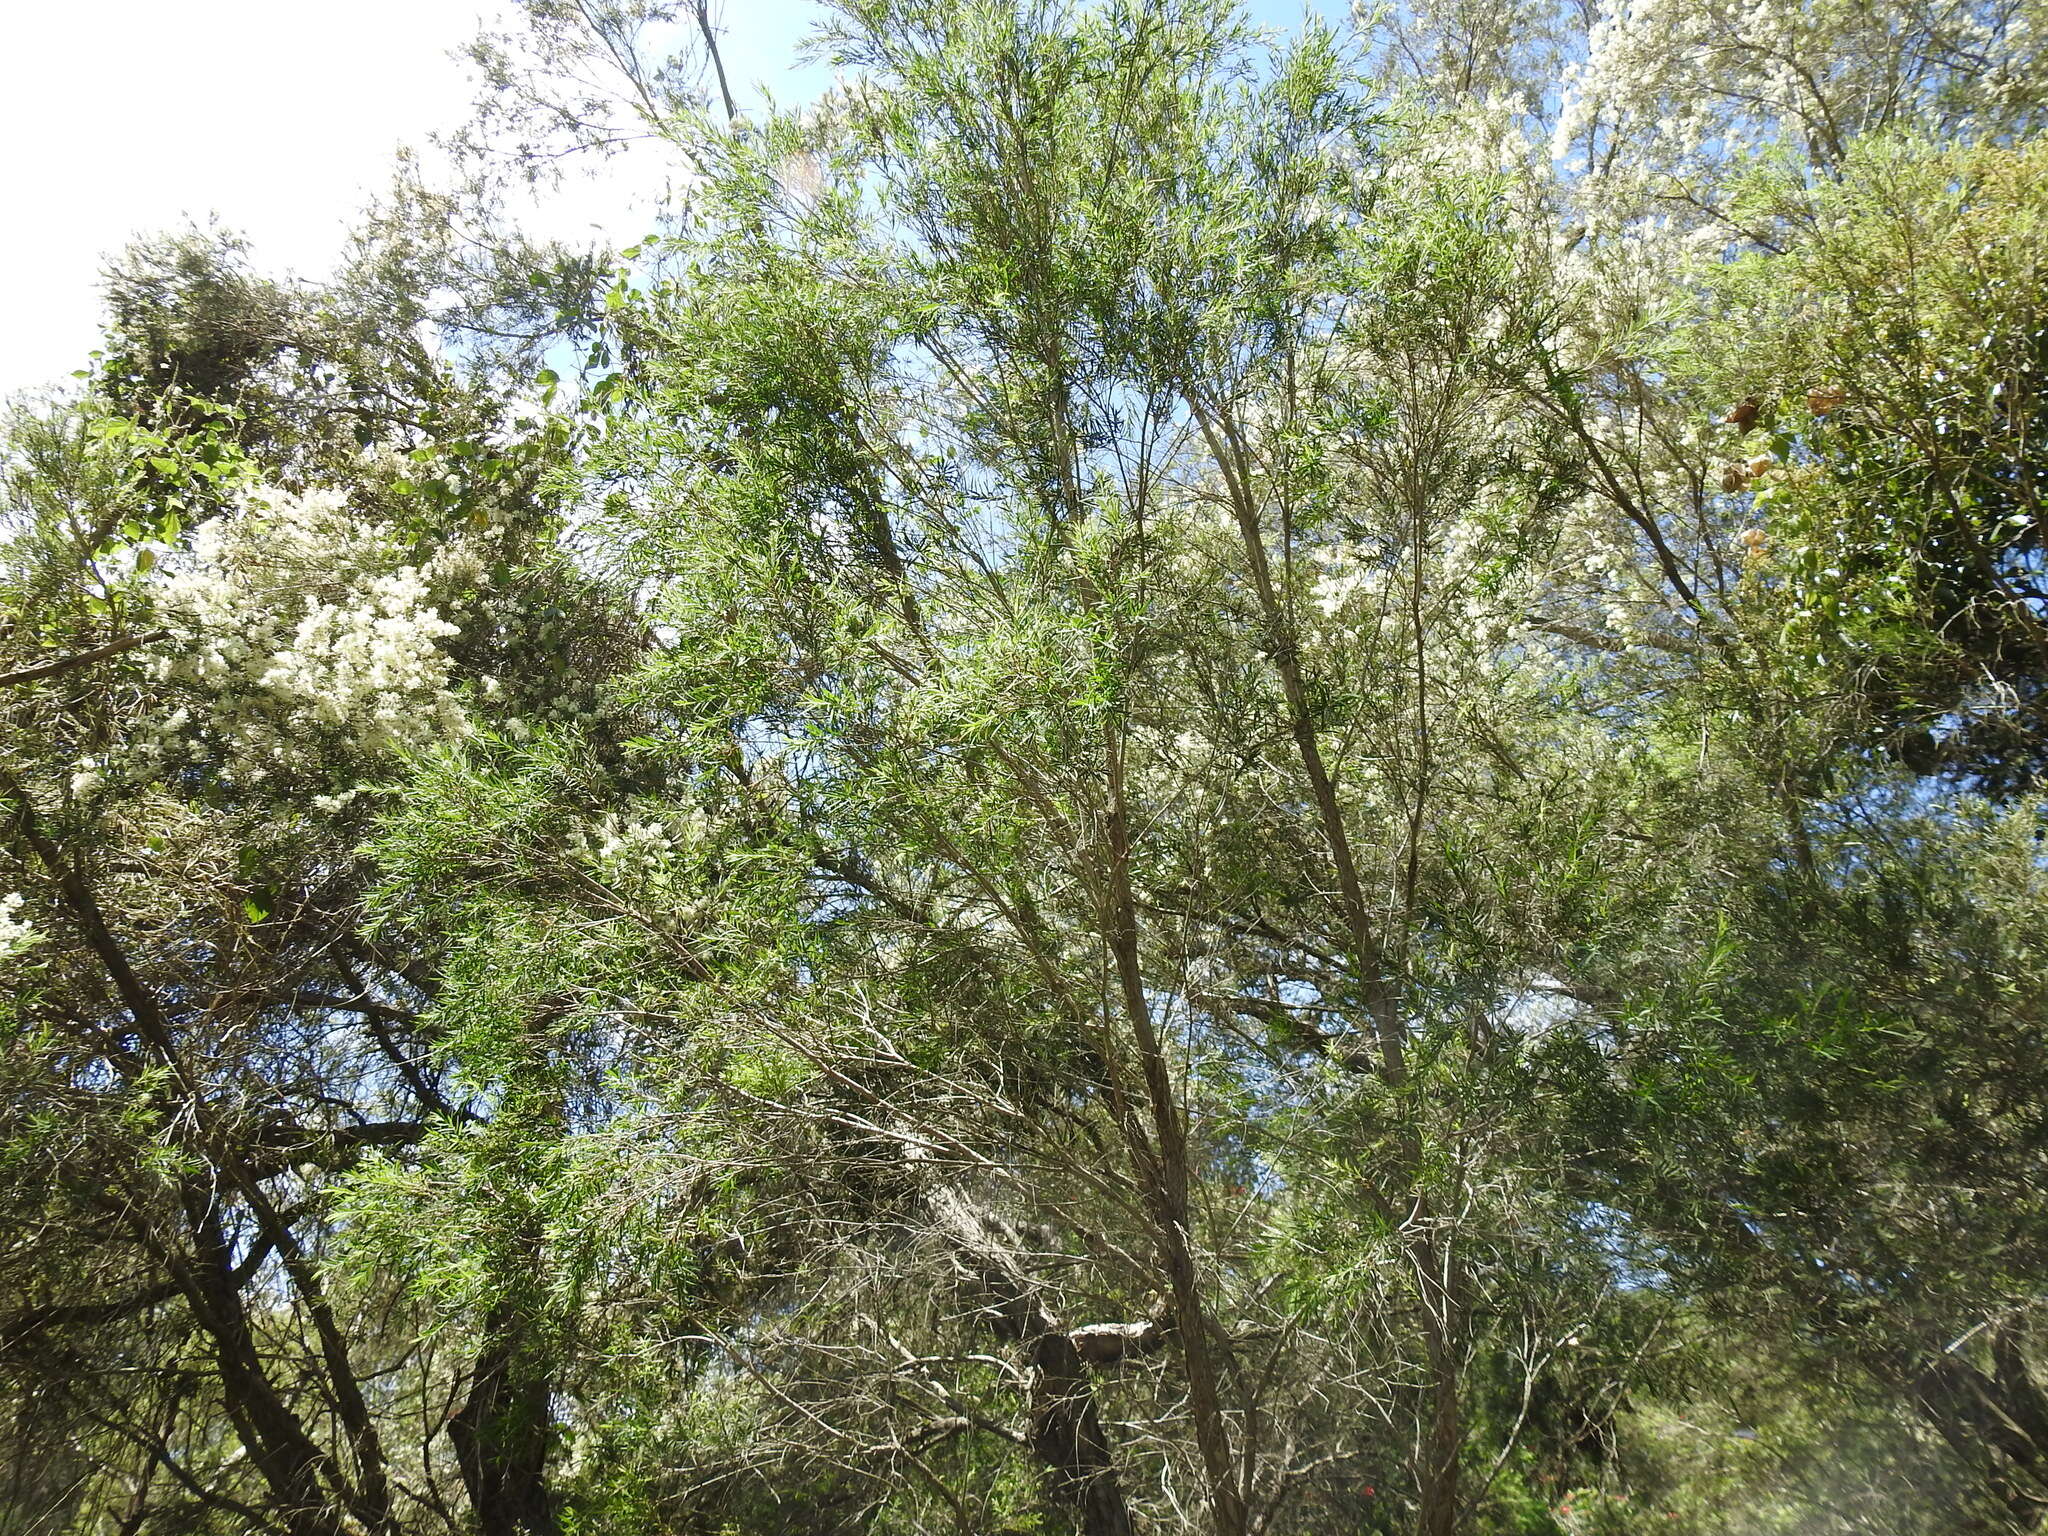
x=217, y=672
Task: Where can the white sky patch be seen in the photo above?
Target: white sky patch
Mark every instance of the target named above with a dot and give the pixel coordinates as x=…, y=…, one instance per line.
x=133, y=116
x=279, y=117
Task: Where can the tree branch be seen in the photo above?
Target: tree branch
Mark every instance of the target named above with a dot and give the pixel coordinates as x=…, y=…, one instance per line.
x=82, y=659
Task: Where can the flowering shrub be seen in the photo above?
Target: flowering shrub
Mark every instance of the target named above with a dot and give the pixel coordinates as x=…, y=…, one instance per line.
x=626, y=853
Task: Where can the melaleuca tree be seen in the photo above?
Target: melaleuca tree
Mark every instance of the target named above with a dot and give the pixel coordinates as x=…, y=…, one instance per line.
x=1795, y=344
x=1835, y=1159
x=231, y=623
x=1235, y=789
x=1088, y=506
x=291, y=536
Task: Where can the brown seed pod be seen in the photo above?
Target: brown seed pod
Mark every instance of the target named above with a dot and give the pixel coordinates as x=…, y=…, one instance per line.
x=1828, y=397
x=1740, y=416
x=1734, y=478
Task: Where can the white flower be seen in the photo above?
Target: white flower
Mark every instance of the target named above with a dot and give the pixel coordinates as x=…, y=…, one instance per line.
x=625, y=852
x=16, y=932
x=1350, y=575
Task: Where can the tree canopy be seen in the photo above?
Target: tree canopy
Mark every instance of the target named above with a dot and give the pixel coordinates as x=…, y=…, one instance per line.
x=1174, y=777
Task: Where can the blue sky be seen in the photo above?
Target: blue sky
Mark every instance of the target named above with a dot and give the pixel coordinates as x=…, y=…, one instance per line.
x=279, y=117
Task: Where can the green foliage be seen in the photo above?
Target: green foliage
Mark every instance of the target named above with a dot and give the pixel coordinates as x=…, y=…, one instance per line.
x=1895, y=346
x=1175, y=779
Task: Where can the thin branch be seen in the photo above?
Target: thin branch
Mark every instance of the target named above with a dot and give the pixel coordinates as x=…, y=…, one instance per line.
x=82, y=659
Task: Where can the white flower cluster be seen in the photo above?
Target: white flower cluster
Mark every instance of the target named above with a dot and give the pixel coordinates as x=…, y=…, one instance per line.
x=1692, y=84
x=626, y=853
x=304, y=623
x=16, y=932
x=1354, y=579
x=1351, y=575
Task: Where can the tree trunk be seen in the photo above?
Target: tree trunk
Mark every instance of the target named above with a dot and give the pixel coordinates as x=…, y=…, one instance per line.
x=1441, y=1281
x=293, y=1467
x=1067, y=1435
x=1163, y=1170
x=500, y=1432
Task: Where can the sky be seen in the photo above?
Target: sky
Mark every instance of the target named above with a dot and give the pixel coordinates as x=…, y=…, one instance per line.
x=278, y=118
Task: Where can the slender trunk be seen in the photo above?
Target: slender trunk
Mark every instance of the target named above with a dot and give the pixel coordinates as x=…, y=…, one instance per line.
x=1368, y=955
x=1067, y=1434
x=301, y=1476
x=371, y=1504
x=292, y=1466
x=1438, y=1489
x=500, y=1432
x=1162, y=1165
x=1441, y=1439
